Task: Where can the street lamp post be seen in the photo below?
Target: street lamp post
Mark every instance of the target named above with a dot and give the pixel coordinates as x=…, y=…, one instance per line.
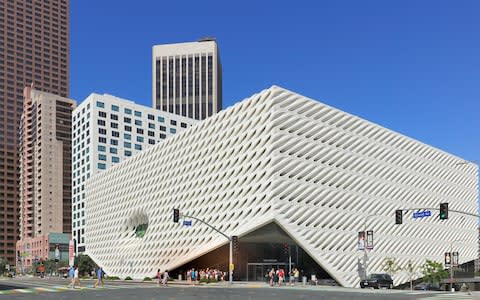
x=452, y=289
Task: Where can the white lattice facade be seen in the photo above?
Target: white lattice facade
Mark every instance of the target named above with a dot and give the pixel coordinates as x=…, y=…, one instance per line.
x=321, y=174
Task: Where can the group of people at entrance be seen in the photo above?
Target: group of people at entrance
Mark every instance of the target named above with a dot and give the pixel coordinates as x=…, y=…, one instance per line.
x=278, y=277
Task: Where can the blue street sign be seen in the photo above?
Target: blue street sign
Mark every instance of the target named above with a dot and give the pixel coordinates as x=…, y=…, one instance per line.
x=422, y=214
x=187, y=222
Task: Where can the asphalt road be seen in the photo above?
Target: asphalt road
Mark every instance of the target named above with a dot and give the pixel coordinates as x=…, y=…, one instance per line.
x=57, y=289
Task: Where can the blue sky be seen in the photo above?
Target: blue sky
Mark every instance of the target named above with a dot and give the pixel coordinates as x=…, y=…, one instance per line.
x=410, y=66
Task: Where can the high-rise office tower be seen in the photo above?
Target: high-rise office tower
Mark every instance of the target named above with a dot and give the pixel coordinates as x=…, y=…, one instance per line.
x=45, y=171
x=187, y=78
x=34, y=48
x=106, y=131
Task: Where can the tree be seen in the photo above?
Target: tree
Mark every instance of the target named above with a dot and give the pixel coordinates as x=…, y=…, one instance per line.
x=391, y=267
x=3, y=264
x=433, y=271
x=85, y=264
x=411, y=271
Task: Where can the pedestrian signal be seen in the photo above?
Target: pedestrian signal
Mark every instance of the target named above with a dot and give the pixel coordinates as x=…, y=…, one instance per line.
x=176, y=215
x=398, y=216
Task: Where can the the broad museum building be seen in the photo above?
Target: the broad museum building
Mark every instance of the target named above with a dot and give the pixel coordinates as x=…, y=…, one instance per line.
x=296, y=181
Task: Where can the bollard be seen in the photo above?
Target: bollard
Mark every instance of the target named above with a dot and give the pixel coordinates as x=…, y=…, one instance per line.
x=304, y=280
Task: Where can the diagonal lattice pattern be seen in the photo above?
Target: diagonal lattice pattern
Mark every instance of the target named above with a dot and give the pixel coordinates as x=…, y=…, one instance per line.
x=320, y=173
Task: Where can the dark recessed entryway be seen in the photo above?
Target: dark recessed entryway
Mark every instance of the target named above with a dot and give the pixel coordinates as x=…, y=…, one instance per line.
x=259, y=251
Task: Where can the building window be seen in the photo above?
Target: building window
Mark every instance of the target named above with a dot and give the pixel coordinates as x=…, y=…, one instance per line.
x=115, y=107
x=128, y=128
x=128, y=153
x=151, y=117
x=138, y=122
x=151, y=125
x=114, y=117
x=102, y=157
x=138, y=147
x=161, y=119
x=127, y=136
x=101, y=148
x=139, y=130
x=114, y=125
x=113, y=150
x=140, y=139
x=128, y=111
x=115, y=134
x=163, y=128
x=127, y=145
x=114, y=142
x=138, y=113
x=102, y=114
x=173, y=122
x=163, y=136
x=100, y=104
x=102, y=131
x=151, y=142
x=173, y=130
x=151, y=133
x=115, y=159
x=127, y=120
x=101, y=122
x=183, y=125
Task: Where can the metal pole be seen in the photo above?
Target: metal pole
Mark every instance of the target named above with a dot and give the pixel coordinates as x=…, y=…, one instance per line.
x=451, y=267
x=230, y=264
x=365, y=255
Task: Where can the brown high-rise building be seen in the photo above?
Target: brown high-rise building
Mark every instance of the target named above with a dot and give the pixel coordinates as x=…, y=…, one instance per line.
x=34, y=49
x=46, y=172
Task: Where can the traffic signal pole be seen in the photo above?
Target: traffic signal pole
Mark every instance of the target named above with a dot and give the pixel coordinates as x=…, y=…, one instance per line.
x=229, y=238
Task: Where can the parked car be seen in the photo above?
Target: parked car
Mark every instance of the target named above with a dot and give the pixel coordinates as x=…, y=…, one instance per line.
x=377, y=281
x=426, y=287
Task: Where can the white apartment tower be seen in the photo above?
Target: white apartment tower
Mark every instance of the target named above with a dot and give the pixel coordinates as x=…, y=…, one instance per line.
x=187, y=78
x=107, y=130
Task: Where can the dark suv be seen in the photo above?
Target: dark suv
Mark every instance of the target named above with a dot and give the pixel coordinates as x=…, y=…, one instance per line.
x=377, y=281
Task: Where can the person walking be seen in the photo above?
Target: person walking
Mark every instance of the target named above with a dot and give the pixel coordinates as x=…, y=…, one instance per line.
x=165, y=278
x=71, y=276
x=100, y=275
x=76, y=279
x=159, y=277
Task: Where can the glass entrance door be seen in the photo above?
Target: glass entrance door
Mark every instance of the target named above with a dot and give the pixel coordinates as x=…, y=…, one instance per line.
x=257, y=271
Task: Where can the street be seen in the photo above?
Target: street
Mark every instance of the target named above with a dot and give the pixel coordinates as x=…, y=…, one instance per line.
x=55, y=288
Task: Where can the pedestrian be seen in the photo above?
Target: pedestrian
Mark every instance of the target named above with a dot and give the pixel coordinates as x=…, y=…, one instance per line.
x=100, y=275
x=296, y=275
x=281, y=277
x=76, y=279
x=271, y=276
x=71, y=276
x=159, y=276
x=165, y=278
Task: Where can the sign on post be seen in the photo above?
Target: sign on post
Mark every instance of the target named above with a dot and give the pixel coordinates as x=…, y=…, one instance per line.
x=370, y=239
x=422, y=214
x=455, y=259
x=361, y=240
x=71, y=253
x=448, y=259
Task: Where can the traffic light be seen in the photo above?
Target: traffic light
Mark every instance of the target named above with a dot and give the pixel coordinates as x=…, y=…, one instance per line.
x=443, y=211
x=398, y=216
x=285, y=249
x=235, y=245
x=176, y=215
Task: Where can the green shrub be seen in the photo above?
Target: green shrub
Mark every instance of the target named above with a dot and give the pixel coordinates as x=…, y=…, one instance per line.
x=112, y=278
x=128, y=278
x=147, y=279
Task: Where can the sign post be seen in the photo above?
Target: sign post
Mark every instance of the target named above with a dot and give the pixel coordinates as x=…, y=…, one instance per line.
x=71, y=253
